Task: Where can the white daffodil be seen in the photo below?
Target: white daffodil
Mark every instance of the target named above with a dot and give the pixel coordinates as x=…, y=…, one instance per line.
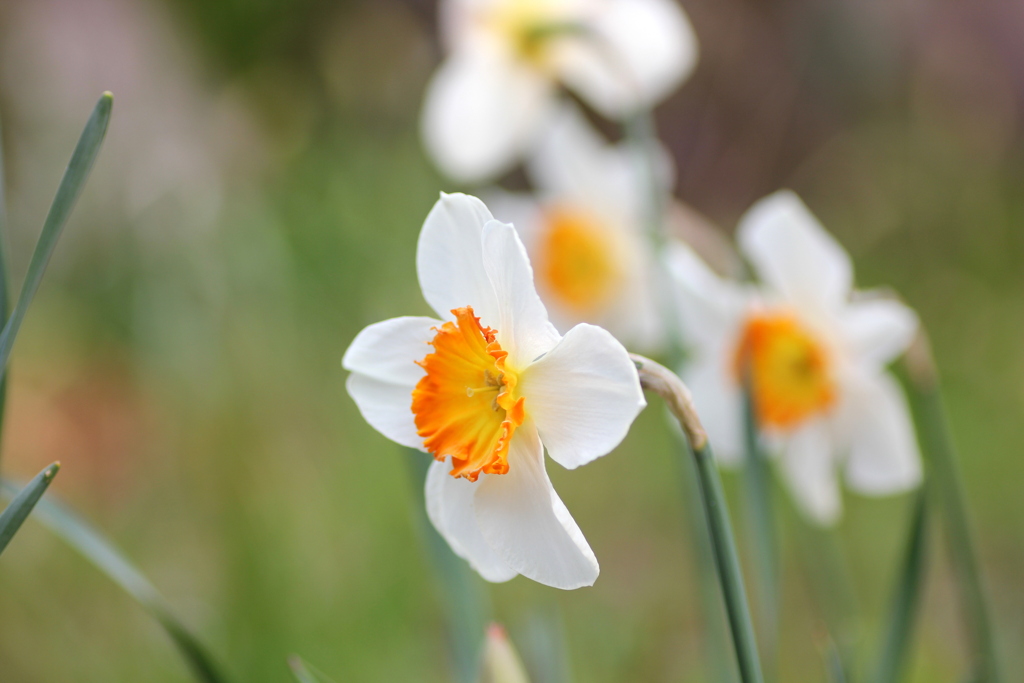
x=815, y=353
x=507, y=57
x=483, y=388
x=585, y=231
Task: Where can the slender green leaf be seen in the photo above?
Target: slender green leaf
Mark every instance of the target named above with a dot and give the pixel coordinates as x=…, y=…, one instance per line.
x=67, y=193
x=94, y=547
x=306, y=673
x=906, y=599
x=462, y=591
x=26, y=499
x=761, y=521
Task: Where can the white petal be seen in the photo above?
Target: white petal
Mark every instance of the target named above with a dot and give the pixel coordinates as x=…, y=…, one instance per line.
x=711, y=308
x=808, y=467
x=449, y=258
x=450, y=509
x=384, y=372
x=583, y=395
x=481, y=111
x=883, y=457
x=718, y=401
x=794, y=254
x=641, y=52
x=878, y=329
x=388, y=350
x=522, y=321
x=525, y=522
x=520, y=209
x=387, y=407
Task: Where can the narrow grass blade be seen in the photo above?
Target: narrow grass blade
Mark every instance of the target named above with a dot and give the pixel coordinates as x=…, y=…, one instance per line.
x=462, y=591
x=761, y=522
x=895, y=645
x=94, y=547
x=543, y=644
x=67, y=193
x=304, y=673
x=933, y=430
x=26, y=499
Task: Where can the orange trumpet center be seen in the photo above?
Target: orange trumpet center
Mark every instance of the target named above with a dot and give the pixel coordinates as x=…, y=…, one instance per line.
x=790, y=373
x=577, y=260
x=466, y=404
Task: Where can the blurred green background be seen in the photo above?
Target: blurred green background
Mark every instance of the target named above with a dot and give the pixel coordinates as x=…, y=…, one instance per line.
x=257, y=204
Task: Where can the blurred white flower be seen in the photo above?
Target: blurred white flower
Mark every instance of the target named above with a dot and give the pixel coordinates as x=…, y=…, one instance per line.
x=815, y=352
x=483, y=399
x=489, y=98
x=585, y=231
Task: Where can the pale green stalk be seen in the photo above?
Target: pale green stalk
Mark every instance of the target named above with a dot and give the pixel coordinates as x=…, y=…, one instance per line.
x=657, y=378
x=462, y=594
x=933, y=430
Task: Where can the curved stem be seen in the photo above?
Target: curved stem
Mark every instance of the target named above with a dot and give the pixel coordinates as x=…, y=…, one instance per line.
x=659, y=379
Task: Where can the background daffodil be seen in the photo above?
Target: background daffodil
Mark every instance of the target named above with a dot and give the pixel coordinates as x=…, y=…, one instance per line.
x=815, y=353
x=485, y=388
x=490, y=97
x=585, y=231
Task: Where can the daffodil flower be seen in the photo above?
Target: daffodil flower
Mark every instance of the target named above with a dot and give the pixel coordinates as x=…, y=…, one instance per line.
x=585, y=231
x=507, y=57
x=483, y=387
x=815, y=353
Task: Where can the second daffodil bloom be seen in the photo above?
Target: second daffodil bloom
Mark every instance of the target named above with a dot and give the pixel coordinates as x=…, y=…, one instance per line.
x=507, y=57
x=586, y=231
x=814, y=352
x=484, y=389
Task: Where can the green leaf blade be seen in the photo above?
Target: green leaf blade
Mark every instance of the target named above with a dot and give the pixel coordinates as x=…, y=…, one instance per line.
x=22, y=503
x=103, y=555
x=67, y=194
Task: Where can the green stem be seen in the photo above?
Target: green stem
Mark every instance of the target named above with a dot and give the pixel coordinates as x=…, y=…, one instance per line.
x=640, y=132
x=728, y=564
x=462, y=593
x=659, y=379
x=906, y=599
x=938, y=446
x=761, y=519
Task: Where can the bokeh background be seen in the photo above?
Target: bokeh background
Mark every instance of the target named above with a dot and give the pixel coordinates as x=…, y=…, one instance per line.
x=257, y=203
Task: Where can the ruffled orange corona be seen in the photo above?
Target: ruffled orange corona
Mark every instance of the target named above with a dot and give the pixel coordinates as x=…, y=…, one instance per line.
x=789, y=370
x=466, y=405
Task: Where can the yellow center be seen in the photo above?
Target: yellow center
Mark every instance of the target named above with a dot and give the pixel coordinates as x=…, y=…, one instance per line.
x=528, y=26
x=789, y=370
x=577, y=261
x=465, y=406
